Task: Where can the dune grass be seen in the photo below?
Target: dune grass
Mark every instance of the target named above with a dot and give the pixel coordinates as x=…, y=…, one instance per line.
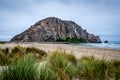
x=90, y=68
x=62, y=66
x=22, y=50
x=22, y=69
x=59, y=65
x=3, y=59
x=8, y=56
x=47, y=73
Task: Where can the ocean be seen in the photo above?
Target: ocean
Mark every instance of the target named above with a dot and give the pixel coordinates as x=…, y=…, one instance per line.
x=109, y=45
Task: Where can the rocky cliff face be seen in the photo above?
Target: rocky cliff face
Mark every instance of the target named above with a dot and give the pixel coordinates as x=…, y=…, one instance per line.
x=52, y=29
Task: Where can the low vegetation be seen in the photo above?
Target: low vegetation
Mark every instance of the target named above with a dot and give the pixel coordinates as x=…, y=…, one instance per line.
x=71, y=40
x=8, y=56
x=23, y=64
x=21, y=69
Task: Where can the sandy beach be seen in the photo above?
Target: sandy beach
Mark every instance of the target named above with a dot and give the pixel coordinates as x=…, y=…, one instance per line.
x=78, y=51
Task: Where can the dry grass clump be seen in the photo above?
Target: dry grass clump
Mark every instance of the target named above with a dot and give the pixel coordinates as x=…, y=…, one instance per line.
x=37, y=51
x=3, y=59
x=10, y=55
x=21, y=50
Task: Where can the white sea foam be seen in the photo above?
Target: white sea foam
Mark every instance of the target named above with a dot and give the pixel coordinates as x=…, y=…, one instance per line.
x=110, y=45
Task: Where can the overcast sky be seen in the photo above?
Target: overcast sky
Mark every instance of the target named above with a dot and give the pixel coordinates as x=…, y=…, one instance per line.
x=100, y=17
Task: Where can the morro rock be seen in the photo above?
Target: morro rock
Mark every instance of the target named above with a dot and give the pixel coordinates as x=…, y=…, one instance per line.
x=53, y=29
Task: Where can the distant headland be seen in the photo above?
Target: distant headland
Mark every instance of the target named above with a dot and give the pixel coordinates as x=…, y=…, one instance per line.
x=53, y=29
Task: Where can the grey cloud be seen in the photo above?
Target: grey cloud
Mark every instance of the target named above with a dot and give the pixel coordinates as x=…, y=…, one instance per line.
x=100, y=17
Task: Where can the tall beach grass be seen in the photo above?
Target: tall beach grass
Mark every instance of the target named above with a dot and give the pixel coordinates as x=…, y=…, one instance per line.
x=21, y=69
x=23, y=64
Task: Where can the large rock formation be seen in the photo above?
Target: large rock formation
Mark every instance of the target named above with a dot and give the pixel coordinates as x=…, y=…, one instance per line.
x=52, y=29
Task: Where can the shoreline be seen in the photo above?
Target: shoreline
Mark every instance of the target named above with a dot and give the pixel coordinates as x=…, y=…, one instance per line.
x=76, y=44
x=78, y=51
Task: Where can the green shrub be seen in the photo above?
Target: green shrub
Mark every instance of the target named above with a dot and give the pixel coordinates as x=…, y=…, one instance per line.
x=71, y=40
x=74, y=40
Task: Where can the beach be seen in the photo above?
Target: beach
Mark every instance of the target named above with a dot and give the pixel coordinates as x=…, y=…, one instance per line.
x=29, y=61
x=78, y=51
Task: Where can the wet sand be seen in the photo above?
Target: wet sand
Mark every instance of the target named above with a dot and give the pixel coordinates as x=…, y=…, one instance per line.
x=78, y=51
